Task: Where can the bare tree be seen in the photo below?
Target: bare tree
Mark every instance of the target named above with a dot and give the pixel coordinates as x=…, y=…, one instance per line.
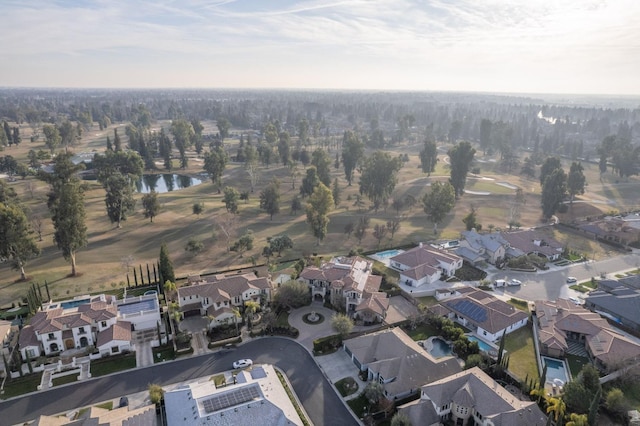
x=228, y=224
x=127, y=262
x=36, y=223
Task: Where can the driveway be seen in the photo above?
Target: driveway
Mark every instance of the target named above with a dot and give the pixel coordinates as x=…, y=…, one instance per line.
x=310, y=332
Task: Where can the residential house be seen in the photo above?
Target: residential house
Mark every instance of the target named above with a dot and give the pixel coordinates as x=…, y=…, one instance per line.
x=471, y=397
x=87, y=321
x=120, y=416
x=563, y=326
x=256, y=398
x=622, y=230
x=393, y=359
x=483, y=313
x=348, y=283
x=619, y=301
x=425, y=265
x=220, y=297
x=532, y=242
x=475, y=247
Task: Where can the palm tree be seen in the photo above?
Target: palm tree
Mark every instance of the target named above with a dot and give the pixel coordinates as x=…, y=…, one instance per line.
x=557, y=407
x=236, y=313
x=578, y=420
x=538, y=392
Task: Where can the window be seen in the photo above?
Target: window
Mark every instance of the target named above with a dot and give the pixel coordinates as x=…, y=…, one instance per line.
x=103, y=324
x=114, y=350
x=51, y=336
x=81, y=330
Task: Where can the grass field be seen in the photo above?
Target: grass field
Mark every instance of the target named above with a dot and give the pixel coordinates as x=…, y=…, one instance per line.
x=521, y=351
x=100, y=263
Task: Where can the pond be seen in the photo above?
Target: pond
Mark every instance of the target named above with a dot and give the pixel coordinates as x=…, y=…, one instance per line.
x=165, y=182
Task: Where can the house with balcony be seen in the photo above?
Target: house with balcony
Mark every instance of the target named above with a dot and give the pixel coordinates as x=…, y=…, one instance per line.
x=425, y=265
x=471, y=397
x=397, y=362
x=480, y=311
x=219, y=297
x=85, y=321
x=349, y=284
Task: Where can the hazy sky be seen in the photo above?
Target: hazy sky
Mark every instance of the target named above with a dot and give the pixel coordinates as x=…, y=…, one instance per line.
x=535, y=46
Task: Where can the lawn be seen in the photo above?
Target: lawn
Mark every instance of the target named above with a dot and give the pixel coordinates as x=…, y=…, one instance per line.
x=521, y=351
x=359, y=405
x=346, y=386
x=218, y=380
x=423, y=332
x=427, y=300
x=575, y=364
x=112, y=364
x=21, y=385
x=163, y=353
x=63, y=380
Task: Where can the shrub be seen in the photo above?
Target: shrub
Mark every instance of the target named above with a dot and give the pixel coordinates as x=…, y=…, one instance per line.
x=327, y=344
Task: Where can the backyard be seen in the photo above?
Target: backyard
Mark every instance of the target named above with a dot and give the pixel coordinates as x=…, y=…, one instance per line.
x=521, y=351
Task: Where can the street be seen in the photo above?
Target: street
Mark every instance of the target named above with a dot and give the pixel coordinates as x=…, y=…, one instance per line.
x=321, y=402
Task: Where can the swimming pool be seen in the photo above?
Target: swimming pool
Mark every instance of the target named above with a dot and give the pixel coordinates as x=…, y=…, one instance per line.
x=440, y=348
x=556, y=371
x=137, y=306
x=73, y=303
x=388, y=253
x=484, y=346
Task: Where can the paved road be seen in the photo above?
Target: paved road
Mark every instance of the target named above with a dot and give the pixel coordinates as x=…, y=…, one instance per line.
x=314, y=391
x=552, y=284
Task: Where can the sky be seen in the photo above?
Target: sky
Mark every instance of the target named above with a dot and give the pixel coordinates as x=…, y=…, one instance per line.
x=506, y=46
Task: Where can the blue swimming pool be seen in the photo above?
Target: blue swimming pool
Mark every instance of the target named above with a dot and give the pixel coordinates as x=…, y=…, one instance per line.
x=556, y=371
x=73, y=303
x=485, y=347
x=440, y=348
x=138, y=306
x=388, y=253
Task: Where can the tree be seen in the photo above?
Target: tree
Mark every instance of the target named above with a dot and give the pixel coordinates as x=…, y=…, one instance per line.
x=379, y=177
x=485, y=134
x=292, y=294
x=593, y=408
x=270, y=198
x=373, y=392
x=280, y=243
x=528, y=168
x=117, y=143
x=68, y=216
x=575, y=181
x=151, y=205
x=438, y=202
x=223, y=126
x=379, y=232
x=197, y=208
x=250, y=308
x=322, y=162
x=284, y=148
x=215, y=162
x=183, y=135
x=251, y=165
x=319, y=205
x=616, y=403
x=429, y=156
x=336, y=191
x=393, y=226
x=578, y=420
x=230, y=199
x=550, y=164
x=460, y=157
x=194, y=246
x=244, y=243
x=165, y=266
x=296, y=205
x=227, y=224
x=557, y=407
x=309, y=182
x=352, y=153
x=16, y=242
x=52, y=137
x=554, y=190
x=471, y=220
x=119, y=198
x=400, y=419
x=156, y=393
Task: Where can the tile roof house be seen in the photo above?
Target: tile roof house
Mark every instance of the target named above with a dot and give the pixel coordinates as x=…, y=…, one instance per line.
x=475, y=247
x=349, y=283
x=471, y=397
x=425, y=265
x=397, y=362
x=257, y=398
x=562, y=322
x=96, y=416
x=532, y=242
x=482, y=312
x=217, y=296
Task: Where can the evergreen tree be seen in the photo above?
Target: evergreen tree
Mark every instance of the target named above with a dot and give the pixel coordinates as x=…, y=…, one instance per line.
x=151, y=205
x=270, y=198
x=117, y=143
x=352, y=153
x=460, y=156
x=165, y=266
x=336, y=191
x=429, y=156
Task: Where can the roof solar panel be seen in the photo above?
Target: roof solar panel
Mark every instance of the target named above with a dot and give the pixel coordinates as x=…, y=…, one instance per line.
x=230, y=399
x=470, y=310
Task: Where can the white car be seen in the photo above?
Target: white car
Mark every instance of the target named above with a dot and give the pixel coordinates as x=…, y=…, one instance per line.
x=575, y=300
x=242, y=363
x=515, y=282
x=572, y=280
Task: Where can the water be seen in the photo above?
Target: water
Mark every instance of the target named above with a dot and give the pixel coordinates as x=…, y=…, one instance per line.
x=485, y=347
x=165, y=182
x=555, y=371
x=440, y=348
x=388, y=253
x=73, y=303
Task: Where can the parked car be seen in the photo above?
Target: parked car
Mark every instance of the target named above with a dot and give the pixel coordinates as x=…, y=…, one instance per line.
x=242, y=363
x=572, y=280
x=124, y=402
x=499, y=283
x=575, y=300
x=515, y=282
